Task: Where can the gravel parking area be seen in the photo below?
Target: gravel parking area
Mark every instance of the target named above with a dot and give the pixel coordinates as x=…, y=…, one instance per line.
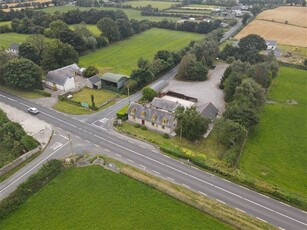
x=33, y=126
x=205, y=91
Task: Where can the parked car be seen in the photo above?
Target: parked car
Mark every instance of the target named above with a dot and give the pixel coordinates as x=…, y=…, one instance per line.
x=212, y=67
x=33, y=110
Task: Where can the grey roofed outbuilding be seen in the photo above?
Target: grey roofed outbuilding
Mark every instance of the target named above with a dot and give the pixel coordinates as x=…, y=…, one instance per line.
x=59, y=76
x=95, y=79
x=151, y=114
x=208, y=111
x=167, y=105
x=14, y=46
x=112, y=77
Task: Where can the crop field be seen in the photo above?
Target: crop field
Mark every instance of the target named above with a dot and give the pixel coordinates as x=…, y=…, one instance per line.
x=7, y=39
x=95, y=198
x=155, y=4
x=276, y=150
x=282, y=33
x=122, y=56
x=131, y=13
x=294, y=15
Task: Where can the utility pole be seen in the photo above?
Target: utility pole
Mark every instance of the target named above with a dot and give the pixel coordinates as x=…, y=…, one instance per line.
x=128, y=94
x=180, y=132
x=69, y=139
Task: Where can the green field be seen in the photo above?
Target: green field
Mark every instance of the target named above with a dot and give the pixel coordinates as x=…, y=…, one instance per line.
x=276, y=150
x=155, y=4
x=92, y=28
x=94, y=198
x=131, y=13
x=122, y=56
x=7, y=39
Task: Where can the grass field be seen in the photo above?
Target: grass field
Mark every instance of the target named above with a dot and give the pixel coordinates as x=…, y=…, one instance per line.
x=91, y=28
x=7, y=39
x=131, y=13
x=276, y=150
x=122, y=56
x=282, y=33
x=94, y=198
x=155, y=4
x=294, y=15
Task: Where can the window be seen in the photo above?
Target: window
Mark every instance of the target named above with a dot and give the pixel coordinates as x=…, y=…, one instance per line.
x=133, y=117
x=153, y=124
x=163, y=127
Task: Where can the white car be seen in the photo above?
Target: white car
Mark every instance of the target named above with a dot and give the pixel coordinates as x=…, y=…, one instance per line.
x=33, y=110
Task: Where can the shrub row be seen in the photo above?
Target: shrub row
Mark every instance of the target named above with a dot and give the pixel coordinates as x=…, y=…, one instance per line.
x=32, y=185
x=42, y=92
x=76, y=103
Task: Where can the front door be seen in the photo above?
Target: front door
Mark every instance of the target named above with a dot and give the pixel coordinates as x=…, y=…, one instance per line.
x=143, y=122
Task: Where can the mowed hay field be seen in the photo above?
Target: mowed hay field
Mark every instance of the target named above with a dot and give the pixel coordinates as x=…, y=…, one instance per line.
x=7, y=39
x=294, y=33
x=122, y=57
x=95, y=198
x=276, y=151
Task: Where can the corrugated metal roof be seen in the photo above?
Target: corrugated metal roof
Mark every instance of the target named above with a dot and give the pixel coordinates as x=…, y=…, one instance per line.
x=112, y=77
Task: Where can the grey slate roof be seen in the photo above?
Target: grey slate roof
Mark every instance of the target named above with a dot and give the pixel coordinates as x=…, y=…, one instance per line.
x=208, y=110
x=167, y=105
x=271, y=42
x=14, y=46
x=112, y=77
x=151, y=114
x=94, y=79
x=59, y=76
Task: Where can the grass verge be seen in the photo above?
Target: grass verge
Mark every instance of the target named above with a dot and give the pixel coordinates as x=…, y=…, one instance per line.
x=21, y=93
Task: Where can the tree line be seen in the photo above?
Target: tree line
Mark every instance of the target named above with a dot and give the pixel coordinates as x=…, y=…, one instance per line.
x=13, y=140
x=245, y=85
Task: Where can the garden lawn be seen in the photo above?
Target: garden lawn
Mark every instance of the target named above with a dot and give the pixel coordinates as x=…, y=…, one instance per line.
x=100, y=96
x=7, y=39
x=131, y=13
x=122, y=57
x=276, y=151
x=94, y=198
x=92, y=28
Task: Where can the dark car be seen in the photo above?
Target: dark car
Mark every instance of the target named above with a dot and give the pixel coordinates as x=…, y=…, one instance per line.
x=212, y=67
x=33, y=110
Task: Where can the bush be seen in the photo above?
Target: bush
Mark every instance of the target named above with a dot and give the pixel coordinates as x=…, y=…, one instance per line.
x=231, y=155
x=29, y=142
x=122, y=113
x=42, y=92
x=143, y=127
x=32, y=185
x=165, y=135
x=137, y=125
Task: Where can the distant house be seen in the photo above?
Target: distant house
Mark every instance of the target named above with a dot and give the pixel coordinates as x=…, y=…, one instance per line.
x=62, y=78
x=271, y=44
x=113, y=81
x=151, y=117
x=14, y=48
x=208, y=111
x=93, y=82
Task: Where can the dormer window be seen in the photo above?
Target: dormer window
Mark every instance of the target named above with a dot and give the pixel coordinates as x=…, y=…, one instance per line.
x=154, y=117
x=133, y=111
x=143, y=113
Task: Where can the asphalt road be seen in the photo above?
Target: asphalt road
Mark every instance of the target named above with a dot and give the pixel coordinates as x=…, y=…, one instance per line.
x=146, y=157
x=230, y=32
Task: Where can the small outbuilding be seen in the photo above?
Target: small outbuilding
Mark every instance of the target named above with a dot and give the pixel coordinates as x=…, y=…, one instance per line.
x=93, y=82
x=113, y=82
x=14, y=48
x=271, y=44
x=62, y=78
x=208, y=111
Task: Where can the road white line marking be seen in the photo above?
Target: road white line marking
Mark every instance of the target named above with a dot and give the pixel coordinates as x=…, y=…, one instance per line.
x=187, y=186
x=87, y=141
x=220, y=201
x=304, y=212
x=131, y=142
x=130, y=160
x=78, y=137
x=142, y=146
x=80, y=129
x=170, y=178
x=198, y=179
x=261, y=219
x=118, y=155
x=225, y=180
x=195, y=168
x=120, y=137
x=107, y=150
x=143, y=166
x=156, y=172
x=64, y=137
x=240, y=210
x=155, y=151
x=58, y=119
x=181, y=162
x=33, y=167
x=24, y=104
x=11, y=99
x=263, y=195
x=284, y=204
x=97, y=145
x=167, y=156
x=281, y=228
x=244, y=187
x=202, y=193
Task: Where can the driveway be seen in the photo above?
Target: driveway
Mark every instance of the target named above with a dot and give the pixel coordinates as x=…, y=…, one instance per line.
x=205, y=91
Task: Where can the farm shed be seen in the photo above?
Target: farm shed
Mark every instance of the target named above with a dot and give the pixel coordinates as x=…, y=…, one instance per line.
x=62, y=78
x=113, y=81
x=93, y=82
x=208, y=111
x=14, y=48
